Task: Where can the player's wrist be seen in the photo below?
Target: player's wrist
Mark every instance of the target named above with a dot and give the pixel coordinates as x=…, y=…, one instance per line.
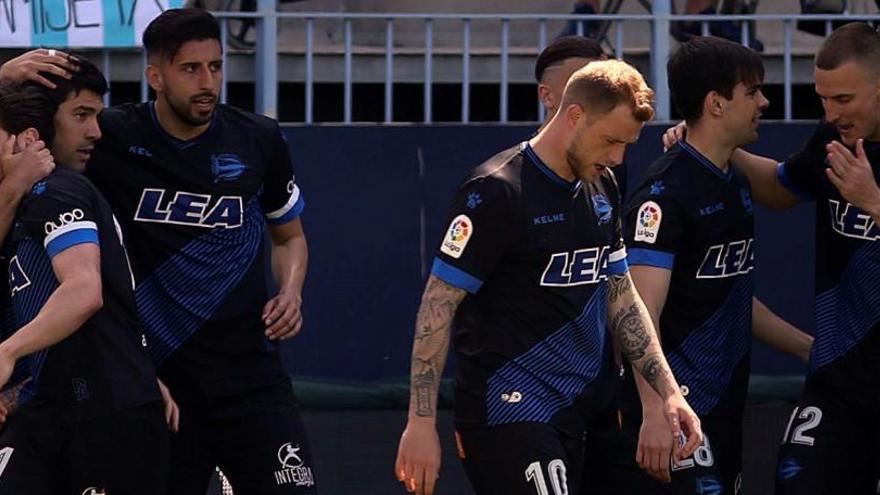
x=9, y=351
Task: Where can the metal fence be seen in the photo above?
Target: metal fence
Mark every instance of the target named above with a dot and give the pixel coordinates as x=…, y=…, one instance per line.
x=267, y=54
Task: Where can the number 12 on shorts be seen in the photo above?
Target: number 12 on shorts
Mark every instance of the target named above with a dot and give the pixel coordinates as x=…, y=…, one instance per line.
x=556, y=473
x=812, y=415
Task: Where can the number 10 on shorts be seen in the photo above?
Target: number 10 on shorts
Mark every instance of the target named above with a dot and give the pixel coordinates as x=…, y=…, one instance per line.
x=556, y=473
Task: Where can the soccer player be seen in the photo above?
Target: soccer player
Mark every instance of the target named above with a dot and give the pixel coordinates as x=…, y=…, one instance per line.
x=90, y=418
x=830, y=443
x=690, y=233
x=555, y=65
x=197, y=186
x=532, y=268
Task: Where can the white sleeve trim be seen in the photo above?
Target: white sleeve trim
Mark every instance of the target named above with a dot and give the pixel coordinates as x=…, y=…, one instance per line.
x=617, y=255
x=280, y=212
x=68, y=228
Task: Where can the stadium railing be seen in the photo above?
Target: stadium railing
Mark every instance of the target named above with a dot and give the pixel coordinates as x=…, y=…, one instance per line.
x=266, y=52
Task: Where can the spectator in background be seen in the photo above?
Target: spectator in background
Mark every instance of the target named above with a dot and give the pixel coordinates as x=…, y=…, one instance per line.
x=681, y=31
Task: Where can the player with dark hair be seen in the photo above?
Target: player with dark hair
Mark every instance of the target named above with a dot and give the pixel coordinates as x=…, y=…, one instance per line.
x=555, y=65
x=690, y=233
x=197, y=187
x=197, y=183
x=829, y=445
x=532, y=270
x=91, y=393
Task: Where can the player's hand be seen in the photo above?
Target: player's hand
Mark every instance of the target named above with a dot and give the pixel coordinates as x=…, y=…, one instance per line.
x=853, y=176
x=655, y=446
x=685, y=425
x=418, y=457
x=282, y=316
x=9, y=400
x=21, y=169
x=27, y=67
x=172, y=412
x=674, y=134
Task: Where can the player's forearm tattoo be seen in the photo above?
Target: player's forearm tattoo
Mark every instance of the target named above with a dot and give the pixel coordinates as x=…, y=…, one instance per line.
x=617, y=286
x=652, y=370
x=628, y=323
x=433, y=328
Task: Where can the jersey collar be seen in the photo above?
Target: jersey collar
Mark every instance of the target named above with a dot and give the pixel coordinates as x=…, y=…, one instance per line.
x=533, y=157
x=699, y=157
x=180, y=144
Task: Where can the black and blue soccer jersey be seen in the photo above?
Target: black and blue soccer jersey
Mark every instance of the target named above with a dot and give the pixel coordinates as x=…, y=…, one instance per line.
x=689, y=217
x=103, y=366
x=846, y=349
x=195, y=214
x=534, y=252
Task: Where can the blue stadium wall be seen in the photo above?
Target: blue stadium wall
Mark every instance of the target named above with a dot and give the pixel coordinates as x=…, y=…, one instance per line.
x=376, y=200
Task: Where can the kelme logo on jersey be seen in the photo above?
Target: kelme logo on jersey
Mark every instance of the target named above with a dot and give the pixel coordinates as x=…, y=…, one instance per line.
x=850, y=221
x=94, y=491
x=66, y=218
x=584, y=266
x=457, y=236
x=728, y=260
x=648, y=222
x=293, y=469
x=18, y=279
x=226, y=167
x=197, y=210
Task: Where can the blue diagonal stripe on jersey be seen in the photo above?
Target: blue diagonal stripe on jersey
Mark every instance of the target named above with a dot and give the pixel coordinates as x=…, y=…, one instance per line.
x=555, y=371
x=28, y=302
x=187, y=289
x=705, y=360
x=846, y=313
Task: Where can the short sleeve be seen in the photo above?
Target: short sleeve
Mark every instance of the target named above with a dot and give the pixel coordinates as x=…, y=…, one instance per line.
x=282, y=200
x=617, y=259
x=653, y=228
x=481, y=227
x=60, y=217
x=803, y=171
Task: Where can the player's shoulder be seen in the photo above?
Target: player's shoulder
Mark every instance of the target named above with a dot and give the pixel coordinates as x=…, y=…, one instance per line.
x=62, y=185
x=668, y=175
x=246, y=121
x=124, y=116
x=499, y=175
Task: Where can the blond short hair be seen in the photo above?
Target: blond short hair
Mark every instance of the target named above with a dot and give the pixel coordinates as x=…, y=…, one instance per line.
x=599, y=87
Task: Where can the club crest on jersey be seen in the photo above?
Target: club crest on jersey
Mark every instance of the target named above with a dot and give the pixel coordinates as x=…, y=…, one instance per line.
x=226, y=167
x=457, y=236
x=648, y=222
x=293, y=469
x=602, y=208
x=196, y=210
x=728, y=260
x=584, y=266
x=849, y=221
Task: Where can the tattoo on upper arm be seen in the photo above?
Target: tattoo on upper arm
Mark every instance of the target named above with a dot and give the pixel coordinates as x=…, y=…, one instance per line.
x=617, y=286
x=630, y=327
x=433, y=327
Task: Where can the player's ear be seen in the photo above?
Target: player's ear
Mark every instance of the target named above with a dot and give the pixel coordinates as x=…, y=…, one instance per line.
x=573, y=114
x=546, y=97
x=154, y=79
x=713, y=104
x=27, y=137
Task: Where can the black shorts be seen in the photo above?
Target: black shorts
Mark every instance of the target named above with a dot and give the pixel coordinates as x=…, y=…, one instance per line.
x=123, y=452
x=714, y=468
x=829, y=448
x=521, y=459
x=260, y=454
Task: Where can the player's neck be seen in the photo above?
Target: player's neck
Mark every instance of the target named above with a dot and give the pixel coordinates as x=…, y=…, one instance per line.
x=548, y=147
x=707, y=142
x=175, y=126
